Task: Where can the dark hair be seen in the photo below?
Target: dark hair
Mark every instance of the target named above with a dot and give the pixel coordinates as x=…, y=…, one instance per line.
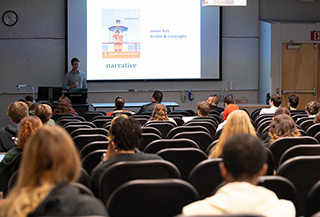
x=74, y=60
x=281, y=111
x=215, y=98
x=29, y=98
x=229, y=100
x=126, y=133
x=276, y=99
x=313, y=107
x=119, y=103
x=293, y=100
x=316, y=120
x=204, y=108
x=243, y=156
x=157, y=95
x=34, y=106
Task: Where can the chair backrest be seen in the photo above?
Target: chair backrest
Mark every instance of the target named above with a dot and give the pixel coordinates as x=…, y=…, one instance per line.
x=151, y=130
x=82, y=140
x=122, y=172
x=282, y=186
x=13, y=180
x=255, y=113
x=90, y=124
x=71, y=128
x=63, y=121
x=300, y=150
x=261, y=121
x=312, y=202
x=163, y=126
x=305, y=125
x=178, y=120
x=263, y=125
x=184, y=158
x=84, y=178
x=180, y=129
x=100, y=122
x=279, y=146
x=83, y=189
x=89, y=115
x=313, y=130
x=206, y=176
x=141, y=116
x=142, y=121
x=209, y=149
x=203, y=139
x=93, y=146
x=300, y=115
x=74, y=118
x=303, y=172
x=88, y=131
x=157, y=145
x=57, y=116
x=210, y=126
x=300, y=120
x=212, y=119
x=90, y=161
x=270, y=162
x=147, y=138
x=185, y=112
x=218, y=134
x=260, y=117
x=102, y=117
x=155, y=198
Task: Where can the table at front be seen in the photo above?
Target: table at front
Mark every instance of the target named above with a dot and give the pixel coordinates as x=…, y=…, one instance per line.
x=131, y=105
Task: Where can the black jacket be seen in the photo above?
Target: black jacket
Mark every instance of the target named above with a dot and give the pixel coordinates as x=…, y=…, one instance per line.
x=6, y=134
x=65, y=200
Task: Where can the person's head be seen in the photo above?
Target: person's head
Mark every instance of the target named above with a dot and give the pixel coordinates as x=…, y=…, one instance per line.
x=228, y=100
x=48, y=158
x=28, y=126
x=29, y=104
x=157, y=96
x=119, y=103
x=281, y=111
x=17, y=111
x=237, y=122
x=34, y=106
x=203, y=109
x=64, y=105
x=275, y=100
x=317, y=118
x=282, y=126
x=229, y=108
x=312, y=107
x=243, y=159
x=44, y=112
x=293, y=101
x=213, y=100
x=29, y=98
x=75, y=63
x=125, y=133
x=159, y=113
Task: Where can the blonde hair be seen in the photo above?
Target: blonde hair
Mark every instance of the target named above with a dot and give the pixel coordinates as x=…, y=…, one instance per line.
x=49, y=157
x=237, y=122
x=28, y=126
x=159, y=113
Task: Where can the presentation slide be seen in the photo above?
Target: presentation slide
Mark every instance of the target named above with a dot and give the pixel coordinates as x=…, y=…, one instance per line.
x=151, y=40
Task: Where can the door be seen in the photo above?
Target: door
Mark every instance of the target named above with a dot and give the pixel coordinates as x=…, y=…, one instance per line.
x=300, y=73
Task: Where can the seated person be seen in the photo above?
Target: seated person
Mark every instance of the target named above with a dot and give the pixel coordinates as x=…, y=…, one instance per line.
x=274, y=102
x=156, y=98
x=64, y=106
x=49, y=166
x=229, y=108
x=160, y=114
x=203, y=111
x=317, y=118
x=213, y=100
x=16, y=111
x=293, y=102
x=243, y=162
x=28, y=126
x=312, y=108
x=119, y=104
x=124, y=137
x=227, y=101
x=44, y=112
x=33, y=108
x=238, y=122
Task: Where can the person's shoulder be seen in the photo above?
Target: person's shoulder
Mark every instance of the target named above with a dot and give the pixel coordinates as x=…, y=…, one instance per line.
x=89, y=206
x=148, y=156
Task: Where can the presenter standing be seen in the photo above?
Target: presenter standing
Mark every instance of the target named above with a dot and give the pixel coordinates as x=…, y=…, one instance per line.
x=75, y=78
x=117, y=41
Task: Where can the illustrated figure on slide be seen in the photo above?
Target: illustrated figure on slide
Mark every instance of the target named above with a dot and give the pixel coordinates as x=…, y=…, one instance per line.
x=117, y=36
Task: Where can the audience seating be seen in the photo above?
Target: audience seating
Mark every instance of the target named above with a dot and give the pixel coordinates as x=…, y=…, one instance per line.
x=83, y=189
x=255, y=113
x=300, y=120
x=149, y=113
x=184, y=158
x=56, y=116
x=71, y=128
x=90, y=124
x=180, y=129
x=84, y=178
x=295, y=117
x=90, y=161
x=300, y=150
x=210, y=126
x=270, y=162
x=178, y=120
x=107, y=125
x=156, y=198
x=102, y=117
x=303, y=172
x=122, y=172
x=302, y=132
x=211, y=119
x=151, y=130
x=282, y=186
x=16, y=164
x=313, y=130
x=317, y=136
x=100, y=122
x=13, y=180
x=226, y=215
x=88, y=131
x=218, y=134
x=74, y=118
x=295, y=112
x=93, y=146
x=306, y=124
x=81, y=140
x=215, y=112
x=121, y=113
x=89, y=115
x=142, y=121
x=312, y=202
x=261, y=117
x=203, y=139
x=63, y=121
x=157, y=145
x=163, y=126
x=279, y=146
x=265, y=132
x=214, y=143
x=264, y=119
x=263, y=125
x=206, y=176
x=146, y=139
x=141, y=116
x=181, y=112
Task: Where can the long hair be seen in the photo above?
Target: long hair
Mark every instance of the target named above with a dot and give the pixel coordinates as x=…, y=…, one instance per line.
x=28, y=126
x=159, y=113
x=237, y=122
x=64, y=105
x=49, y=157
x=282, y=126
